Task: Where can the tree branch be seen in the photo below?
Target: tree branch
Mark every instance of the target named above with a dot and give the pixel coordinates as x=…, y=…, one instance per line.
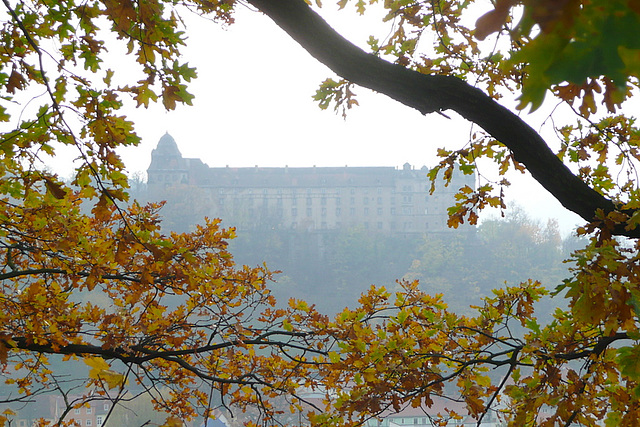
x=432, y=93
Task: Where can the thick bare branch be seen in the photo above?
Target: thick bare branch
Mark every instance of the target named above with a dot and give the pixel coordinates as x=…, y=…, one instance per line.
x=431, y=93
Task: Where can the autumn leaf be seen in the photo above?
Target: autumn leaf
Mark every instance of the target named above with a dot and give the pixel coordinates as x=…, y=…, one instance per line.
x=173, y=422
x=16, y=81
x=493, y=21
x=101, y=370
x=56, y=189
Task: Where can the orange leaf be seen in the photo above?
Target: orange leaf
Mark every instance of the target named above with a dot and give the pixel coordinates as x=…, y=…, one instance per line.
x=492, y=21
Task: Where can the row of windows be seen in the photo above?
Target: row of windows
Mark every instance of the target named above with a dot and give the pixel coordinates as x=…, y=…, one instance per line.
x=312, y=192
x=88, y=410
x=405, y=210
x=87, y=422
x=323, y=201
x=407, y=226
x=295, y=191
x=401, y=421
x=169, y=178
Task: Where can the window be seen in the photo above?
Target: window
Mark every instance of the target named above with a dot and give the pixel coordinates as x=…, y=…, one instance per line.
x=294, y=211
x=309, y=211
x=88, y=422
x=379, y=211
x=89, y=410
x=323, y=212
x=353, y=200
x=393, y=200
x=379, y=225
x=323, y=201
x=352, y=211
x=366, y=211
x=379, y=190
x=366, y=201
x=99, y=420
x=309, y=201
x=393, y=211
x=353, y=191
x=379, y=200
x=106, y=407
x=77, y=411
x=338, y=211
x=338, y=201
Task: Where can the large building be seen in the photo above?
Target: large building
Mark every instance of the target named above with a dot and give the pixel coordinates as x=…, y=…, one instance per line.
x=384, y=199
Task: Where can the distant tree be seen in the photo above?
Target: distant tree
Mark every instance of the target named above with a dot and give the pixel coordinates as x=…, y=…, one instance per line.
x=181, y=315
x=359, y=258
x=466, y=267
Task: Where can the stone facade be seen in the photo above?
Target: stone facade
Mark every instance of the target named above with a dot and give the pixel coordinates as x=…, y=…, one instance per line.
x=382, y=199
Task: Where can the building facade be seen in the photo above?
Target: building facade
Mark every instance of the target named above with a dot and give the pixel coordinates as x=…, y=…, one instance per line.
x=51, y=409
x=384, y=199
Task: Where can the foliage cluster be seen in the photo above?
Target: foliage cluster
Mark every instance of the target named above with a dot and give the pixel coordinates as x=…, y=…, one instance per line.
x=176, y=312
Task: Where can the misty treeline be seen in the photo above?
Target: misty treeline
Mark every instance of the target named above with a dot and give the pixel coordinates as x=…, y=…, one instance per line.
x=331, y=268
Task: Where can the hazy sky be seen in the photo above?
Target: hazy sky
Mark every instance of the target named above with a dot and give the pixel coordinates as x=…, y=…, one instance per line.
x=253, y=106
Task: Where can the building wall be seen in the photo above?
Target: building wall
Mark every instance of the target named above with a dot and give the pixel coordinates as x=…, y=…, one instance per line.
x=384, y=199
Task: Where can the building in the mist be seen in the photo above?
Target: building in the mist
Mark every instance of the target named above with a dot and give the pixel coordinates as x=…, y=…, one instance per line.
x=50, y=409
x=383, y=199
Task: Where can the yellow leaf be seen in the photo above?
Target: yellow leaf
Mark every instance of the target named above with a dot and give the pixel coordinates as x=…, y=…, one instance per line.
x=113, y=379
x=101, y=370
x=97, y=365
x=173, y=422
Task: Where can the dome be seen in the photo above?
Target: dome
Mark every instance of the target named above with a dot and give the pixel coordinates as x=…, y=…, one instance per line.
x=167, y=147
x=166, y=155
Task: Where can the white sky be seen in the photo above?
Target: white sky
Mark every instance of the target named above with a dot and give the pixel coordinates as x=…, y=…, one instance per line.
x=253, y=106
